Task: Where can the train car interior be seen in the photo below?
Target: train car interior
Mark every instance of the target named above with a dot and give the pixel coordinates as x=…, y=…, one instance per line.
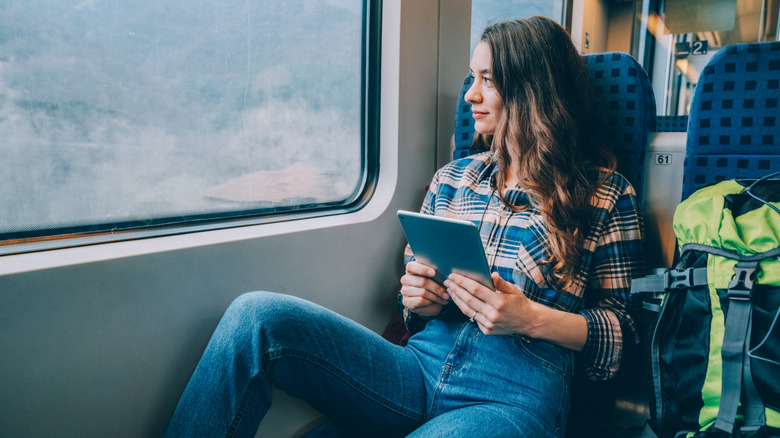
x=163, y=159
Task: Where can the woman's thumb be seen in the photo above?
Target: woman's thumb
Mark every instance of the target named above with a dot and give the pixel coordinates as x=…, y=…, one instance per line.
x=501, y=285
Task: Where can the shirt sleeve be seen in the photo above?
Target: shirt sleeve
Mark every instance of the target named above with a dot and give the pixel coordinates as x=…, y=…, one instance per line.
x=618, y=257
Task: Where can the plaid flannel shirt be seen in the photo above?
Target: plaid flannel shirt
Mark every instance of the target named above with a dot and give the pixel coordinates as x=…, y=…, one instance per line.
x=516, y=245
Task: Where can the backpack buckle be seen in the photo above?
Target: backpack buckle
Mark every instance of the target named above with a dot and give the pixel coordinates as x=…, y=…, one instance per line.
x=742, y=282
x=678, y=279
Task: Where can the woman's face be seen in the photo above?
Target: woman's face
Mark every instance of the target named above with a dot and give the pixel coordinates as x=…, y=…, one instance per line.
x=486, y=104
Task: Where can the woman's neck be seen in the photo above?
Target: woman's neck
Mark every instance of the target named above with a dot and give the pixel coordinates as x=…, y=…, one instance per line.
x=511, y=179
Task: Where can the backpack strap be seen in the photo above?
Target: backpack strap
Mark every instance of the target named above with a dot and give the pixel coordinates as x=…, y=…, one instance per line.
x=736, y=363
x=669, y=280
x=651, y=288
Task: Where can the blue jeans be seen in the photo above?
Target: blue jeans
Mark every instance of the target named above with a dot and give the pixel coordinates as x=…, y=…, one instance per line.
x=449, y=381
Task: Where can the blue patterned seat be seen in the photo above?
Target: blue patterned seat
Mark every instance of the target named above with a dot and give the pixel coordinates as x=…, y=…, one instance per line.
x=625, y=98
x=733, y=129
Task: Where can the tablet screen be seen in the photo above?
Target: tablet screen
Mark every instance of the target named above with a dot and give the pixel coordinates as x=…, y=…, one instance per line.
x=447, y=245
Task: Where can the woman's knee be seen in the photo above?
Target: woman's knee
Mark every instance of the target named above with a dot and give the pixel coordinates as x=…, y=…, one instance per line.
x=267, y=311
x=256, y=307
x=250, y=300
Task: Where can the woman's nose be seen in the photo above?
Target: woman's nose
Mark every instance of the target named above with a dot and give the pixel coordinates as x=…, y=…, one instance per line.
x=472, y=94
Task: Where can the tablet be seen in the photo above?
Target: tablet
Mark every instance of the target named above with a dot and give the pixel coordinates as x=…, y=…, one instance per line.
x=447, y=245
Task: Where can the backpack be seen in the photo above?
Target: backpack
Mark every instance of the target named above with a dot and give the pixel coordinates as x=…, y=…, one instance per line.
x=713, y=340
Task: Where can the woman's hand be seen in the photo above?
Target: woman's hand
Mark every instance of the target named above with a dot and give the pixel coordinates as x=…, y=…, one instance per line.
x=509, y=312
x=421, y=294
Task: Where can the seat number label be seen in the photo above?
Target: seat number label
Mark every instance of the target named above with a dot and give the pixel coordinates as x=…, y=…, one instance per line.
x=662, y=159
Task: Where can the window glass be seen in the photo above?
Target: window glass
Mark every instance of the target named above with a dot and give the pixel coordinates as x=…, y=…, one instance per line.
x=485, y=12
x=118, y=114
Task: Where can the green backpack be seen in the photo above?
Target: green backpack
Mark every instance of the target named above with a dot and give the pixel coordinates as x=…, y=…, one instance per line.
x=714, y=342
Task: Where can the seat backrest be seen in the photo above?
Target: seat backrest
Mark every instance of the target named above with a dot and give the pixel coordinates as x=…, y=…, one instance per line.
x=625, y=98
x=623, y=95
x=733, y=128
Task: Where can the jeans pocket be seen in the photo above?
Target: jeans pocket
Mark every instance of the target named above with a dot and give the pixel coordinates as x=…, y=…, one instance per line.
x=545, y=354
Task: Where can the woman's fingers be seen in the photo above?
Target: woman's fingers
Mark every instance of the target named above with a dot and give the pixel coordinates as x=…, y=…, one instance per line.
x=418, y=281
x=414, y=287
x=420, y=293
x=422, y=305
x=417, y=268
x=467, y=302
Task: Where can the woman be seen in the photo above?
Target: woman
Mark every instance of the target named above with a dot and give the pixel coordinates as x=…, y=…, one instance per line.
x=563, y=236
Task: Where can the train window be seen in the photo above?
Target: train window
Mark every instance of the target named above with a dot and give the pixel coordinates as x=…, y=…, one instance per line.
x=685, y=34
x=484, y=12
x=120, y=115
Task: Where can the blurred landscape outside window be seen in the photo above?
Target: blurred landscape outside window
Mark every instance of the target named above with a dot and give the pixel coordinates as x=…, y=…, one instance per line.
x=131, y=113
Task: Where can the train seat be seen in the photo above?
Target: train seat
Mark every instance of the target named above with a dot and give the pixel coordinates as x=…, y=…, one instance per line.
x=734, y=119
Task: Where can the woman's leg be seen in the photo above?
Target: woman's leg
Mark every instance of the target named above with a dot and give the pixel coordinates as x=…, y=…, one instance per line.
x=484, y=421
x=346, y=371
x=487, y=386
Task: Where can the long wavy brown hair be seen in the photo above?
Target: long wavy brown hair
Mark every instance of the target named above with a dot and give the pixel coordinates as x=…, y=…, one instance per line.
x=548, y=133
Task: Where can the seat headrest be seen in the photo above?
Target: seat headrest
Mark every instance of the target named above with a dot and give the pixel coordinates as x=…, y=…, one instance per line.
x=623, y=95
x=733, y=129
